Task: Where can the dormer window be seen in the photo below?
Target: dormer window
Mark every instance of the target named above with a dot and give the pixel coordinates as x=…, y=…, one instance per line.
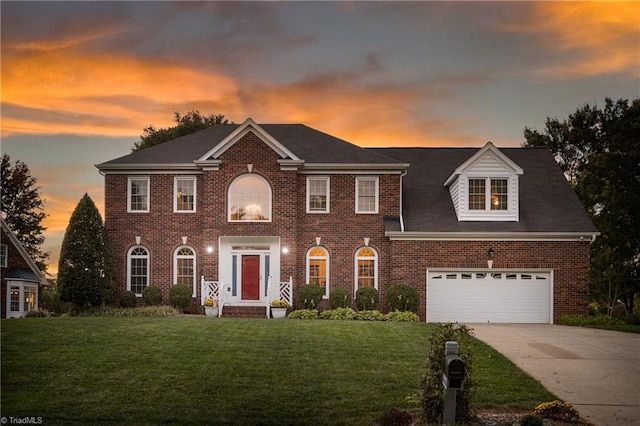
x=488, y=194
x=485, y=187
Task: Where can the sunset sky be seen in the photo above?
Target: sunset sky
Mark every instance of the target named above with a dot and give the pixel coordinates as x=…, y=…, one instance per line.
x=81, y=80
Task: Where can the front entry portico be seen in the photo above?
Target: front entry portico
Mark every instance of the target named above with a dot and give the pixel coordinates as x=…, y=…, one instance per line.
x=245, y=265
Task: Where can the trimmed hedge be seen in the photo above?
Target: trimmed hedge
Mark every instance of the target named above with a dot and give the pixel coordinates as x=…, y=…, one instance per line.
x=367, y=298
x=339, y=298
x=152, y=295
x=403, y=298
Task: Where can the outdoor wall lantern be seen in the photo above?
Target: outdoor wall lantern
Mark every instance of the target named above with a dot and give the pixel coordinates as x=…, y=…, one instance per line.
x=285, y=250
x=490, y=258
x=209, y=249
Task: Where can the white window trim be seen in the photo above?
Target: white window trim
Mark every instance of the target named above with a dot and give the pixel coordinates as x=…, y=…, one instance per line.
x=377, y=192
x=21, y=308
x=487, y=193
x=229, y=203
x=129, y=182
x=375, y=265
x=175, y=193
x=195, y=263
x=129, y=267
x=326, y=258
x=4, y=255
x=328, y=191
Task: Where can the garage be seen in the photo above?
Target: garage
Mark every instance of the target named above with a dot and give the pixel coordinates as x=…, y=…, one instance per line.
x=489, y=296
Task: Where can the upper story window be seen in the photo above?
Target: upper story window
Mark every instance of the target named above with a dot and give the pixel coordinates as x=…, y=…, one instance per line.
x=249, y=199
x=367, y=195
x=138, y=195
x=4, y=254
x=488, y=194
x=318, y=268
x=137, y=270
x=184, y=199
x=317, y=195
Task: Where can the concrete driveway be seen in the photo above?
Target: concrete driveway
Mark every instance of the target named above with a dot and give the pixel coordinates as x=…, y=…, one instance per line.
x=596, y=371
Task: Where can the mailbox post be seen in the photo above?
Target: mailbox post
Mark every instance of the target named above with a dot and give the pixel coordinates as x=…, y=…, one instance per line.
x=452, y=380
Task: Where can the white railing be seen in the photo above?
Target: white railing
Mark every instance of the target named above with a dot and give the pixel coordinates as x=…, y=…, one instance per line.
x=279, y=290
x=214, y=290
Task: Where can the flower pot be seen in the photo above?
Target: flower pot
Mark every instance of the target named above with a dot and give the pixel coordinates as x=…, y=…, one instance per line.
x=279, y=312
x=211, y=311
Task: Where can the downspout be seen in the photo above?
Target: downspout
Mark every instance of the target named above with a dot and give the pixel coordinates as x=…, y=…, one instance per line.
x=403, y=174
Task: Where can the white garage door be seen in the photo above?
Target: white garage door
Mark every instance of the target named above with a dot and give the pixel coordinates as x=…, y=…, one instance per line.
x=496, y=296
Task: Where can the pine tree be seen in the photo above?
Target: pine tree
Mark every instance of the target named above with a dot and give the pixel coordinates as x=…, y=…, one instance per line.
x=86, y=272
x=24, y=208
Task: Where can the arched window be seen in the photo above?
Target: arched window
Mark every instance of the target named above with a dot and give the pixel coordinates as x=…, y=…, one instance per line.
x=137, y=269
x=249, y=199
x=318, y=268
x=184, y=267
x=366, y=268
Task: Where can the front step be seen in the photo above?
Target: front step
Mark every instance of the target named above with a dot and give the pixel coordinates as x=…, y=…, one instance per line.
x=244, y=312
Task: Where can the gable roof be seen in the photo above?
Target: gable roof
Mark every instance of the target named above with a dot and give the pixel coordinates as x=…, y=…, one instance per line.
x=290, y=141
x=33, y=273
x=489, y=150
x=548, y=205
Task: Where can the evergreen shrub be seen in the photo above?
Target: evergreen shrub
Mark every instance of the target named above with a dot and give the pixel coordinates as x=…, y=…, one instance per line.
x=128, y=299
x=310, y=295
x=367, y=298
x=180, y=296
x=403, y=298
x=152, y=295
x=339, y=298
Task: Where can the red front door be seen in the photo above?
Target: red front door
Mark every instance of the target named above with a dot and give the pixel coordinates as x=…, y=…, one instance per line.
x=251, y=277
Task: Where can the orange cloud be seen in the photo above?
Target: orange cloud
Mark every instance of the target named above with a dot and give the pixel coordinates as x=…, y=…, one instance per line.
x=595, y=38
x=90, y=94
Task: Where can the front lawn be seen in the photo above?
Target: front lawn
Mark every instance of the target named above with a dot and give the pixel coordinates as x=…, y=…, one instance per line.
x=228, y=371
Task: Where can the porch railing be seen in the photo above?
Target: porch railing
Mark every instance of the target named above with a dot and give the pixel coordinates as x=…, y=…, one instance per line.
x=214, y=290
x=279, y=290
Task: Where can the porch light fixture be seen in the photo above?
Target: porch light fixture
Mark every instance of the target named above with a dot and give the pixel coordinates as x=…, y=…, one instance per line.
x=209, y=249
x=490, y=258
x=285, y=250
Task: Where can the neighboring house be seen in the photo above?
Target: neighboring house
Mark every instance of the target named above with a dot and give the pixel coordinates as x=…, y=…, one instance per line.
x=21, y=278
x=238, y=204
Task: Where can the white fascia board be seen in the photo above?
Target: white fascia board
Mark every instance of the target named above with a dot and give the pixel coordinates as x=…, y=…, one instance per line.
x=354, y=168
x=23, y=253
x=248, y=126
x=490, y=236
x=489, y=149
x=148, y=168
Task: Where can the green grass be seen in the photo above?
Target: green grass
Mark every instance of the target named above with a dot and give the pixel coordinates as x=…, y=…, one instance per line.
x=224, y=371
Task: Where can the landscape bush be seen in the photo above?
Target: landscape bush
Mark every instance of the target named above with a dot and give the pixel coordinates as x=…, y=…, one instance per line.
x=144, y=311
x=152, y=295
x=398, y=316
x=310, y=295
x=40, y=313
x=367, y=298
x=304, y=314
x=558, y=411
x=431, y=390
x=372, y=315
x=396, y=417
x=180, y=296
x=633, y=319
x=403, y=298
x=128, y=299
x=531, y=420
x=339, y=314
x=579, y=320
x=339, y=298
x=51, y=302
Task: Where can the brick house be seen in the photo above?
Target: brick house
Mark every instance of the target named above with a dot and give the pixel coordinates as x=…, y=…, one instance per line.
x=21, y=280
x=483, y=234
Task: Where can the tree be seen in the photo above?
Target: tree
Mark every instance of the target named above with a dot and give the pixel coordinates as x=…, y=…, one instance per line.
x=599, y=151
x=86, y=272
x=189, y=123
x=24, y=208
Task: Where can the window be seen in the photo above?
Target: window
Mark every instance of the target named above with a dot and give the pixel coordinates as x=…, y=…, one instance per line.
x=184, y=267
x=138, y=270
x=138, y=200
x=29, y=299
x=184, y=199
x=21, y=299
x=249, y=199
x=488, y=194
x=318, y=268
x=366, y=268
x=4, y=254
x=367, y=195
x=318, y=195
x=14, y=304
